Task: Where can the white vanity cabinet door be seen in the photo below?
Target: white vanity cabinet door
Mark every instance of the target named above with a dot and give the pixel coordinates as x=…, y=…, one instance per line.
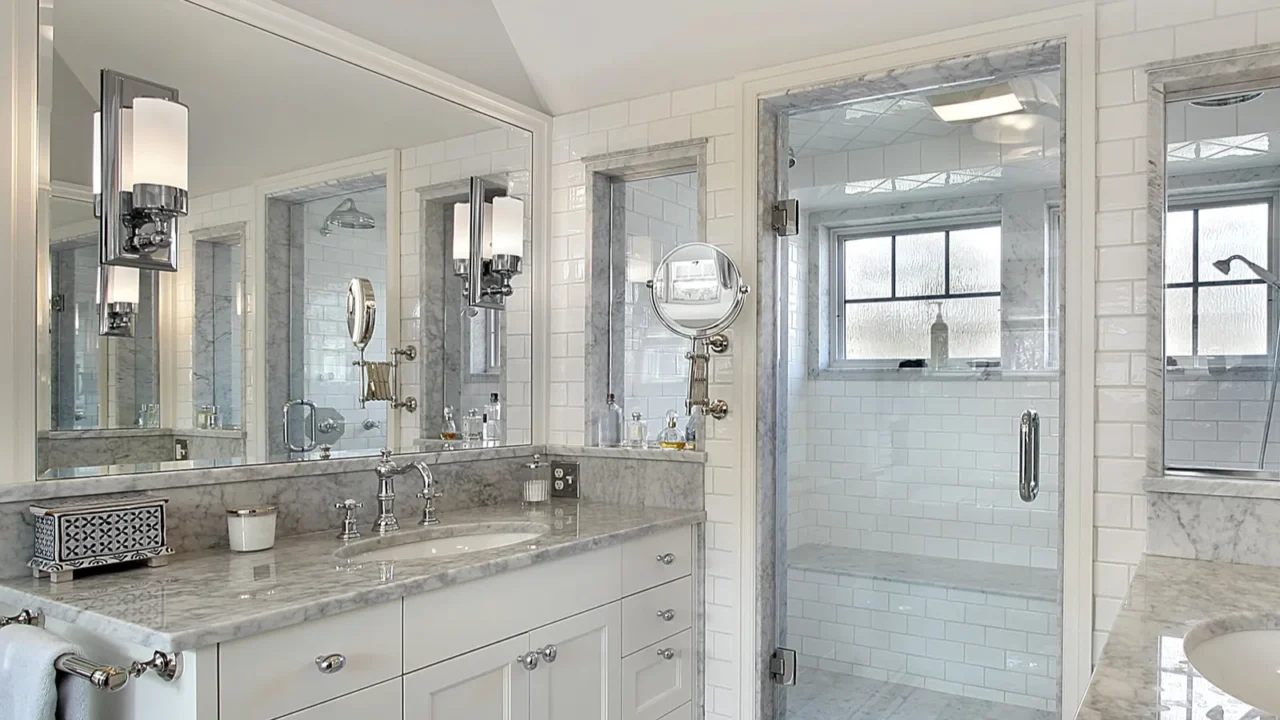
x=584, y=681
x=486, y=684
x=654, y=684
x=381, y=702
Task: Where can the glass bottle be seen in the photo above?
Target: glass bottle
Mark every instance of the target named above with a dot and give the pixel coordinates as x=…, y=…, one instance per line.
x=448, y=428
x=671, y=437
x=472, y=428
x=493, y=427
x=609, y=429
x=637, y=431
x=691, y=428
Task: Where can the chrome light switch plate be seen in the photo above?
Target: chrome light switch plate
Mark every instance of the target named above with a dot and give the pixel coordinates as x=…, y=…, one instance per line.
x=564, y=479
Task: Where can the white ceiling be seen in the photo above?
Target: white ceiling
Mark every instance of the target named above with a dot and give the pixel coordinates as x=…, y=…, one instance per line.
x=259, y=106
x=870, y=124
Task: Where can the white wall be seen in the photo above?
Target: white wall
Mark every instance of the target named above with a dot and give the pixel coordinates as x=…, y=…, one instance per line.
x=704, y=111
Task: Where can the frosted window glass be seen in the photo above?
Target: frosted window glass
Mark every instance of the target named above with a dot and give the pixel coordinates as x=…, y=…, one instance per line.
x=975, y=260
x=1233, y=230
x=900, y=330
x=868, y=268
x=1177, y=322
x=921, y=264
x=1177, y=247
x=1233, y=320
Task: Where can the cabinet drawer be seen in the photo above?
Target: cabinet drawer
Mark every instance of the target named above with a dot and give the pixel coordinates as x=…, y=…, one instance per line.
x=684, y=712
x=276, y=673
x=379, y=701
x=653, y=685
x=645, y=561
x=644, y=615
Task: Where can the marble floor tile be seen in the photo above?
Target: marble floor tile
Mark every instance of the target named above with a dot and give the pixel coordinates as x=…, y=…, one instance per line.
x=822, y=695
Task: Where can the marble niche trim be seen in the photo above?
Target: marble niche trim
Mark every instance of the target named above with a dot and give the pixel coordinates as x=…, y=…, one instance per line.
x=1182, y=79
x=605, y=278
x=1234, y=529
x=1209, y=485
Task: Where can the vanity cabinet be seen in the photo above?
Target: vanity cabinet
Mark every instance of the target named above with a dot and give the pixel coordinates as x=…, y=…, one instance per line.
x=605, y=635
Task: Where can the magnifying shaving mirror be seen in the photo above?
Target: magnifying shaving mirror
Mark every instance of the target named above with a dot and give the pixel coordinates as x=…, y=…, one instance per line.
x=362, y=312
x=697, y=293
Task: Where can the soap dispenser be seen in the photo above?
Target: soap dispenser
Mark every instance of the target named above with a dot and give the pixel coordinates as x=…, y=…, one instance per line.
x=939, y=341
x=671, y=437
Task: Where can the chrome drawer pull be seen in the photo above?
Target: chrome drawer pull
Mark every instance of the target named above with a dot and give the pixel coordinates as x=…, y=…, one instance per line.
x=666, y=653
x=529, y=660
x=548, y=653
x=666, y=559
x=330, y=664
x=667, y=615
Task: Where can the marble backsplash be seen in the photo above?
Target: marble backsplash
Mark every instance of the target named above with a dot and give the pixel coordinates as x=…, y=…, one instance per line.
x=1223, y=528
x=197, y=518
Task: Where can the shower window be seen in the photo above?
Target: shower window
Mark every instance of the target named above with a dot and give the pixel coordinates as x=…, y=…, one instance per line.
x=1208, y=313
x=891, y=286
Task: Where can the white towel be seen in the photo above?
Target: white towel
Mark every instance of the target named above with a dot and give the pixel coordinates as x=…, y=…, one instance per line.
x=30, y=687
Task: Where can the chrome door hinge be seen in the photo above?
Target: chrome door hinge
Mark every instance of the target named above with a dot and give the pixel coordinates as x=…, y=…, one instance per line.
x=782, y=666
x=786, y=217
x=58, y=303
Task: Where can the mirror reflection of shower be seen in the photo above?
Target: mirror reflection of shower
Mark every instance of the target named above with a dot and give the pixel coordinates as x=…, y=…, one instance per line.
x=347, y=216
x=1224, y=266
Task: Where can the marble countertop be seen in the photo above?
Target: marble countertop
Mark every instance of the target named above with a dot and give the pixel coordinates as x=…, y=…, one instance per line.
x=214, y=596
x=1143, y=672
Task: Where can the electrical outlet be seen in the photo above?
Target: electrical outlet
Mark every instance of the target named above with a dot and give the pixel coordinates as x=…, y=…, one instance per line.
x=564, y=479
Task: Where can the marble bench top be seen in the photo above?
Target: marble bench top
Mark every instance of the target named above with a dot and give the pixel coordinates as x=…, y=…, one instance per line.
x=995, y=578
x=1143, y=673
x=214, y=596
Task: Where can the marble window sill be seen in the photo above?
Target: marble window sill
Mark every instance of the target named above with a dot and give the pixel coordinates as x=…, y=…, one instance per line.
x=957, y=375
x=1214, y=486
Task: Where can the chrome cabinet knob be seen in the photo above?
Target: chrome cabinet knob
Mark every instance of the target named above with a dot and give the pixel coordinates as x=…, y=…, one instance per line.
x=529, y=660
x=666, y=653
x=549, y=653
x=667, y=615
x=330, y=664
x=666, y=559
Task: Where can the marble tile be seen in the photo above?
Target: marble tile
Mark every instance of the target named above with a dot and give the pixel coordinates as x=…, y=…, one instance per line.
x=200, y=599
x=1222, y=528
x=825, y=695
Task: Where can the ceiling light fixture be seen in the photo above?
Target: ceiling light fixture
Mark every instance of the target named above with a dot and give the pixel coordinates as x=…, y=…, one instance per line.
x=975, y=104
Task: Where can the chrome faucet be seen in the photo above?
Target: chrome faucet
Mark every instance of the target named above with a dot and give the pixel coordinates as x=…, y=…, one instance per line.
x=387, y=470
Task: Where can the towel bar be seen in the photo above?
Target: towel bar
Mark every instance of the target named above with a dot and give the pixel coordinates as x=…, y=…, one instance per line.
x=166, y=666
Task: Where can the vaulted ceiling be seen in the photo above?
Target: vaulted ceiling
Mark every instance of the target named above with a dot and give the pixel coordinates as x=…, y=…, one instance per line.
x=566, y=55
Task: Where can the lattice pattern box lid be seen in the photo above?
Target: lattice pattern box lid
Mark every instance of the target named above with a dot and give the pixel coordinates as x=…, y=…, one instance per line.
x=78, y=533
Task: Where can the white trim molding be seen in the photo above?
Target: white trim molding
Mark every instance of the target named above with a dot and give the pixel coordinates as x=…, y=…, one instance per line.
x=1075, y=25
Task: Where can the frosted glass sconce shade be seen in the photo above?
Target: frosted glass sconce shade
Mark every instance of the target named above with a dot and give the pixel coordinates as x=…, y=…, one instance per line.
x=508, y=226
x=462, y=231
x=126, y=150
x=160, y=143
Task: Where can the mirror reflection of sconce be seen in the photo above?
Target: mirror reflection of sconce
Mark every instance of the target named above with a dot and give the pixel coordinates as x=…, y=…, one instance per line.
x=379, y=380
x=493, y=231
x=117, y=300
x=139, y=172
x=697, y=293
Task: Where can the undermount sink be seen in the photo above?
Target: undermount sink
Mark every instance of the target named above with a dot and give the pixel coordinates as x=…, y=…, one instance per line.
x=441, y=542
x=1241, y=656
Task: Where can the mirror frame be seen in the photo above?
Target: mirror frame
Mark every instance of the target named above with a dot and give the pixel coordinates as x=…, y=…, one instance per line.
x=1185, y=79
x=28, y=32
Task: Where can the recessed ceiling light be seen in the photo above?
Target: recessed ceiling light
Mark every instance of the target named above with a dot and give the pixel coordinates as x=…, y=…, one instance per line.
x=968, y=105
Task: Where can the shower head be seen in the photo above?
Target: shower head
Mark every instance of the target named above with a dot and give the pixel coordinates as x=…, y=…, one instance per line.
x=1224, y=266
x=348, y=216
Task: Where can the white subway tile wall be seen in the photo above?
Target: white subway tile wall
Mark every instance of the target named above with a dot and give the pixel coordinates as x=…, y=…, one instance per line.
x=978, y=644
x=1218, y=423
x=706, y=111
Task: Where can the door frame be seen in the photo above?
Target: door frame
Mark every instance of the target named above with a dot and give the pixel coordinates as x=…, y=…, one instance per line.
x=1075, y=25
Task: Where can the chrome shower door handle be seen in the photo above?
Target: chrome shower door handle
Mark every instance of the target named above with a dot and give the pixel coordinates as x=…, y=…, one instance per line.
x=1029, y=456
x=311, y=418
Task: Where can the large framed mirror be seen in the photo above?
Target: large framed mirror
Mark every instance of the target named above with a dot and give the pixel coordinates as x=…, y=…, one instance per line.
x=1212, y=287
x=302, y=171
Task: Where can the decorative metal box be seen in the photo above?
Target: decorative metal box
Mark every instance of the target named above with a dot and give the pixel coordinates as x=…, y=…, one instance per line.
x=104, y=530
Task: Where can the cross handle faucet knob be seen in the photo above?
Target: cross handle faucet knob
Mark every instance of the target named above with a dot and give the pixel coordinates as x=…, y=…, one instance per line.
x=349, y=530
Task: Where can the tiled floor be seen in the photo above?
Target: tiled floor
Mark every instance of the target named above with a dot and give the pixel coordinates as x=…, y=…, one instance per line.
x=822, y=695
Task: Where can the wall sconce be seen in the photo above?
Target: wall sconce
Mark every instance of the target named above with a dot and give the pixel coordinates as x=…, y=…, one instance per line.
x=139, y=172
x=493, y=232
x=117, y=300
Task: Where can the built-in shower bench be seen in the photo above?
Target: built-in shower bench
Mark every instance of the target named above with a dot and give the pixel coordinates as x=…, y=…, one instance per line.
x=970, y=628
x=972, y=575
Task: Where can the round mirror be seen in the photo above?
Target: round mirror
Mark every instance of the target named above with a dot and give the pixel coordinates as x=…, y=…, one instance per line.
x=362, y=312
x=697, y=290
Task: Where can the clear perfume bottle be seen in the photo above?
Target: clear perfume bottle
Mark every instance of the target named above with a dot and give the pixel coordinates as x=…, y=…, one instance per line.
x=637, y=431
x=448, y=428
x=691, y=428
x=671, y=437
x=472, y=427
x=609, y=429
x=493, y=428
